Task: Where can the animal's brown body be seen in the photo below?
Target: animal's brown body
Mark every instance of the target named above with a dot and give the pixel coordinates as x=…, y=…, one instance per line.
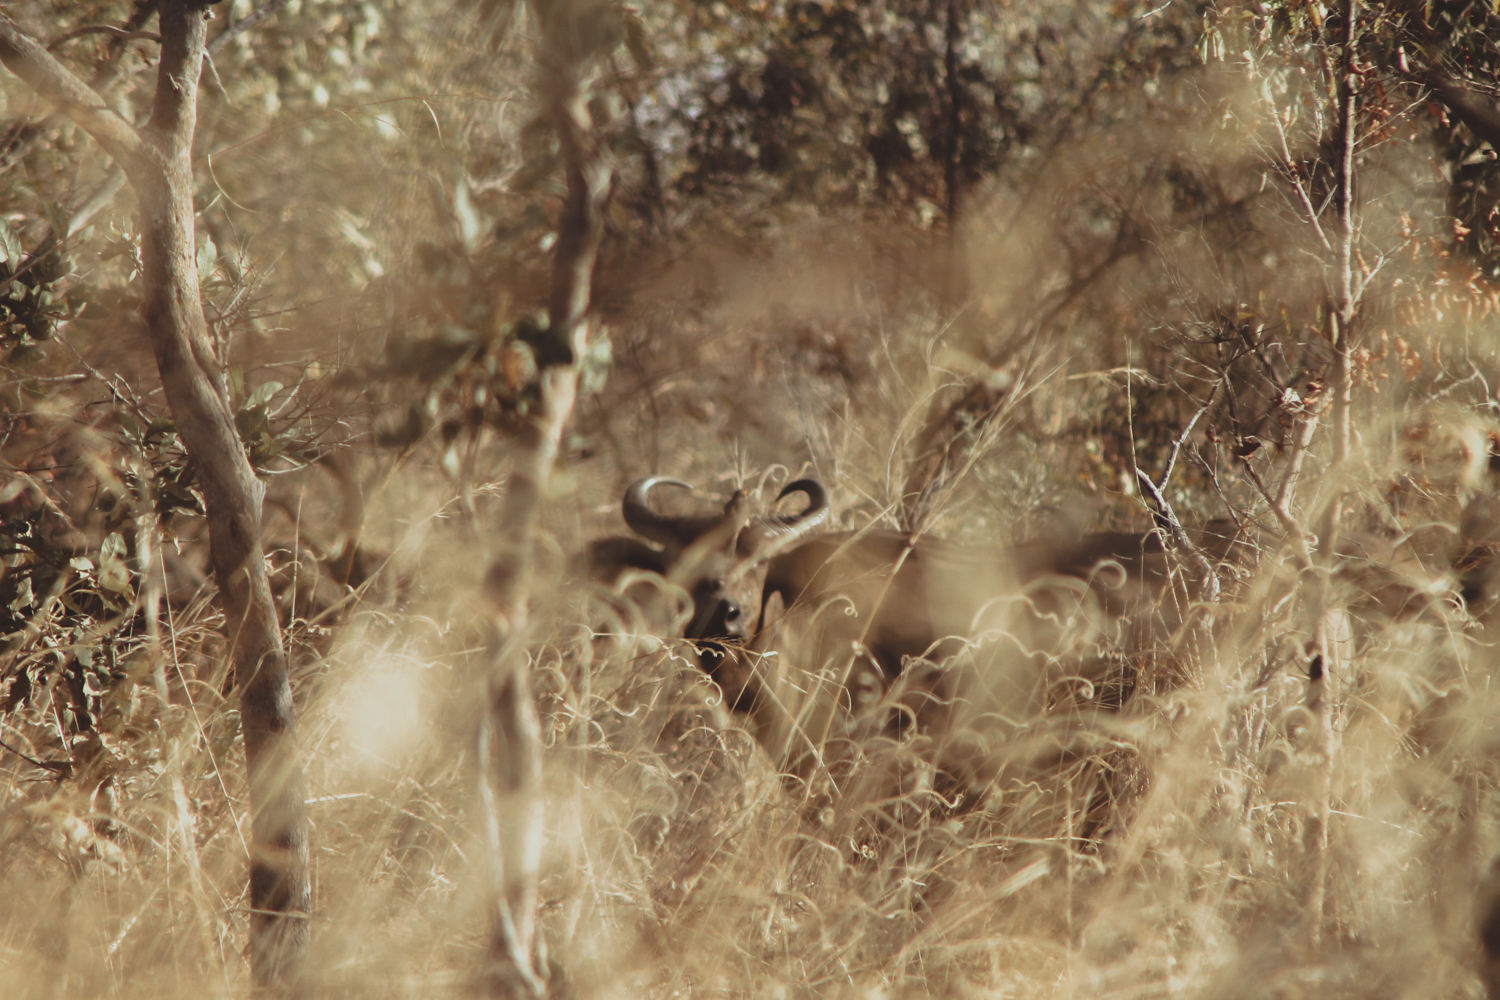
x=955, y=633
x=927, y=632
x=919, y=599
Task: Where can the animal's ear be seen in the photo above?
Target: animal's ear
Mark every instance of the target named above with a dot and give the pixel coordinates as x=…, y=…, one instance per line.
x=608, y=557
x=772, y=609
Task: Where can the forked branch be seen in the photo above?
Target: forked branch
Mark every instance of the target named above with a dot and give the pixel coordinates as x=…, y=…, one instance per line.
x=29, y=59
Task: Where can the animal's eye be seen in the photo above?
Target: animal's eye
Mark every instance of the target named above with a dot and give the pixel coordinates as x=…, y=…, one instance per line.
x=731, y=611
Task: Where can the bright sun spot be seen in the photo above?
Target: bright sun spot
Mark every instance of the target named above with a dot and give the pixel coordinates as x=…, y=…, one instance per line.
x=382, y=710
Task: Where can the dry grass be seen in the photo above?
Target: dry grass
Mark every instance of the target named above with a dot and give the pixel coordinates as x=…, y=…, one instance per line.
x=1150, y=850
x=1146, y=849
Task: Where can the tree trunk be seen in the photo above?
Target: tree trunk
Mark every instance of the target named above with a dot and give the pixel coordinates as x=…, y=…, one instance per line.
x=157, y=159
x=1344, y=289
x=509, y=745
x=1323, y=662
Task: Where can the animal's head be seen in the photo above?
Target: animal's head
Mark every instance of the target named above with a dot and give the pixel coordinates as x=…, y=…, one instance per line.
x=703, y=552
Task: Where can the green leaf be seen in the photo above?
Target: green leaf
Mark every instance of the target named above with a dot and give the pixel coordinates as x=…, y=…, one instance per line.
x=10, y=245
x=115, y=577
x=172, y=495
x=208, y=256
x=58, y=215
x=263, y=394
x=24, y=596
x=598, y=358
x=252, y=422
x=471, y=224
x=113, y=546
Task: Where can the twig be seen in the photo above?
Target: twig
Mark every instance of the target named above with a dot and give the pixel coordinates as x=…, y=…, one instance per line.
x=104, y=29
x=509, y=744
x=1482, y=120
x=1280, y=504
x=245, y=23
x=59, y=768
x=1168, y=517
x=1291, y=171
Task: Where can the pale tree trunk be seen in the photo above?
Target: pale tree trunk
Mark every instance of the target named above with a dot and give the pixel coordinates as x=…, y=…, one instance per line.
x=1324, y=660
x=509, y=745
x=157, y=159
x=1344, y=288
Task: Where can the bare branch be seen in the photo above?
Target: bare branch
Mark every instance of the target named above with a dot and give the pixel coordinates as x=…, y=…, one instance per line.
x=1483, y=121
x=103, y=29
x=28, y=59
x=509, y=746
x=244, y=24
x=1168, y=516
x=1281, y=503
x=1344, y=289
x=1292, y=174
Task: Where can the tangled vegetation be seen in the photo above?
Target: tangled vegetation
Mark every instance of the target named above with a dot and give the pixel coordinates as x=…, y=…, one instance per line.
x=339, y=707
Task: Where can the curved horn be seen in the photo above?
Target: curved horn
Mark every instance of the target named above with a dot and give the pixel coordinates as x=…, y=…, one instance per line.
x=662, y=528
x=817, y=503
x=773, y=527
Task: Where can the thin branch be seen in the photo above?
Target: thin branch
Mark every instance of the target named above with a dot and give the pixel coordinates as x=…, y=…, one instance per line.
x=1291, y=171
x=509, y=744
x=24, y=137
x=28, y=59
x=1483, y=120
x=1168, y=516
x=244, y=24
x=1177, y=445
x=1260, y=355
x=56, y=767
x=1280, y=504
x=1344, y=291
x=103, y=29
